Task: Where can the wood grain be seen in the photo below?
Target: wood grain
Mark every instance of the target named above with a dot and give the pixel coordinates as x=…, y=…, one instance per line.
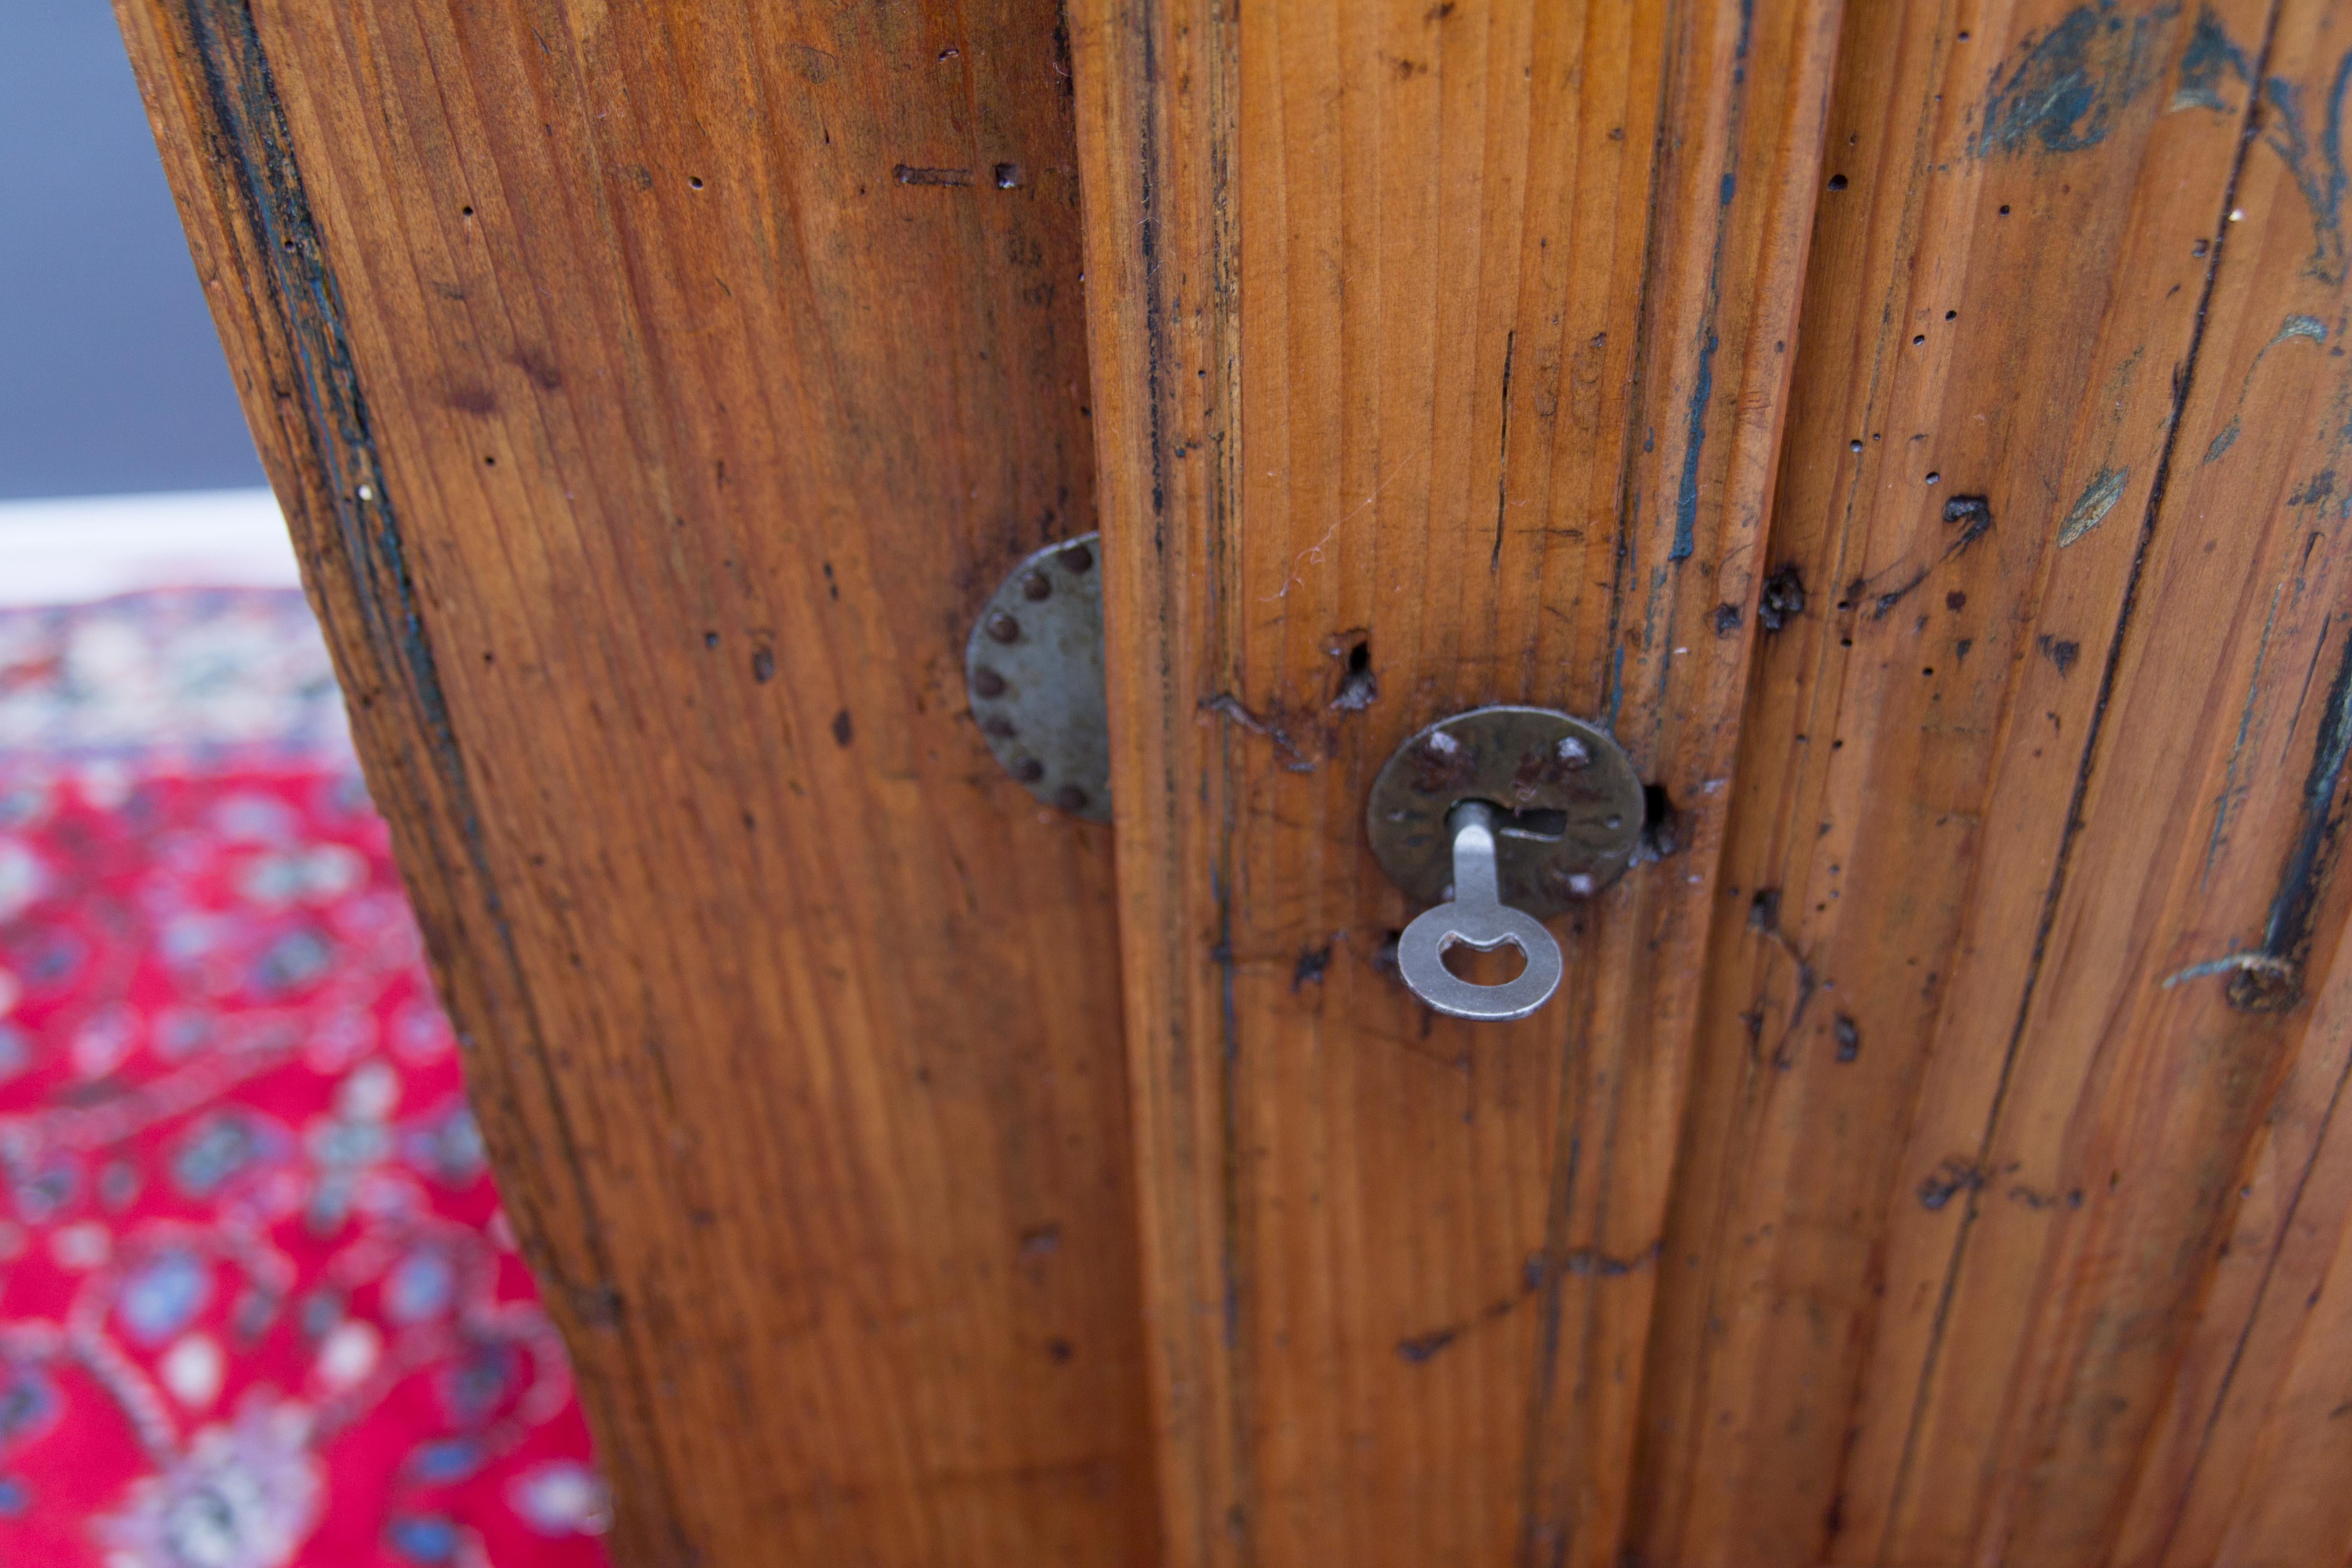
x=2028, y=872
x=1917, y=429
x=654, y=392
x=1455, y=334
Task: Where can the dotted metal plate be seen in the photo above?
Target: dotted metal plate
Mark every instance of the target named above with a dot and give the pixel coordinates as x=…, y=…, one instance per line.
x=1571, y=799
x=1033, y=666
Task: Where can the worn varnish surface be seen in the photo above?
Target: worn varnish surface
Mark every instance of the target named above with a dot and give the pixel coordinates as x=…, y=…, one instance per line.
x=656, y=392
x=2006, y=1201
x=1917, y=429
x=1439, y=356
x=1986, y=1243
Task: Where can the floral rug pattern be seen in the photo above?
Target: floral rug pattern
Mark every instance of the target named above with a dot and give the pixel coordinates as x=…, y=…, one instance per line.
x=258, y=1305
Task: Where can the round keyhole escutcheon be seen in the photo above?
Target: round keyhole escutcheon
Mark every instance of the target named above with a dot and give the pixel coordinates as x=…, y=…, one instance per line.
x=1034, y=668
x=1567, y=806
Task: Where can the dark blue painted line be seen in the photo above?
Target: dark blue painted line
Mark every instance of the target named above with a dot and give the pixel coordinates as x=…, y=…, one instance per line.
x=1702, y=390
x=2287, y=934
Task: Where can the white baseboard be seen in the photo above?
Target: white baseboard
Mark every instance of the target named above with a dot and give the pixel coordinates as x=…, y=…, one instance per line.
x=76, y=549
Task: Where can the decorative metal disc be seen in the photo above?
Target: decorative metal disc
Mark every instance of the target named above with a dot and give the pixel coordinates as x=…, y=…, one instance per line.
x=1569, y=804
x=1035, y=668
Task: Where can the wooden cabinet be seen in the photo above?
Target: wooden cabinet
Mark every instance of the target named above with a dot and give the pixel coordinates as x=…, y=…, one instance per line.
x=1911, y=429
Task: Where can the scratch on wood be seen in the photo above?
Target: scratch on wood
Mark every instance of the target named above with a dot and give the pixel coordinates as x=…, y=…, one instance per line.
x=1503, y=459
x=1954, y=1176
x=1592, y=1263
x=2225, y=803
x=2262, y=962
x=1974, y=514
x=1226, y=704
x=1534, y=1517
x=2098, y=498
x=2286, y=937
x=1312, y=554
x=2295, y=326
x=1764, y=916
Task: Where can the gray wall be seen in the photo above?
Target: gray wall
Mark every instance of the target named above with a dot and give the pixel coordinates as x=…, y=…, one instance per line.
x=111, y=377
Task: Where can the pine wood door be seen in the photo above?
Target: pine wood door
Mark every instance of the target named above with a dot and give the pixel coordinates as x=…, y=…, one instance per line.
x=1911, y=427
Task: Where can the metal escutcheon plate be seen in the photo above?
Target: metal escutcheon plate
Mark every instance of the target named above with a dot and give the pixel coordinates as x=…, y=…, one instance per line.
x=1573, y=803
x=1034, y=666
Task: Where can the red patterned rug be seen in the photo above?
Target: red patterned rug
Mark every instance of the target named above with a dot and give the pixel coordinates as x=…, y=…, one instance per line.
x=258, y=1305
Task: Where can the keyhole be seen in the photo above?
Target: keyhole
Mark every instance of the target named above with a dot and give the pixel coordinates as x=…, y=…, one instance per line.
x=1543, y=827
x=1495, y=966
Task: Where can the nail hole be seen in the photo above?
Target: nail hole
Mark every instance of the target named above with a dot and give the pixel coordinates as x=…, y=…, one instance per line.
x=1359, y=687
x=1783, y=598
x=1662, y=822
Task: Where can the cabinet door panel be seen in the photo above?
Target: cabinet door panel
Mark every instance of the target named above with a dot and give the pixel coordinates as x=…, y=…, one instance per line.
x=1439, y=350
x=1888, y=1157
x=1912, y=428
x=655, y=393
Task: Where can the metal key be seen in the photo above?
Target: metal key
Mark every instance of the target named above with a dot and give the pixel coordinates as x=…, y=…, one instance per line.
x=1476, y=917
